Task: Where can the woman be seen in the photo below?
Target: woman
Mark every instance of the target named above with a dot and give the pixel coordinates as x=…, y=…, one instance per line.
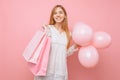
x=60, y=45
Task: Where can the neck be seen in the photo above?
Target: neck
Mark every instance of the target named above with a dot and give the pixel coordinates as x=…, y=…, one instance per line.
x=58, y=25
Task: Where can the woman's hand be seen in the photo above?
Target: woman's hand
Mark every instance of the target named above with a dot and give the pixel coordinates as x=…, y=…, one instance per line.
x=47, y=30
x=77, y=46
x=45, y=26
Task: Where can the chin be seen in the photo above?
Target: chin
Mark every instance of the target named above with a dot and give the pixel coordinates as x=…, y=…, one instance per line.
x=59, y=21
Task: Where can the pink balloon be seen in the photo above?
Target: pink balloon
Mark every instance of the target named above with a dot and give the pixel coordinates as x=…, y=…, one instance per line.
x=88, y=56
x=82, y=34
x=101, y=40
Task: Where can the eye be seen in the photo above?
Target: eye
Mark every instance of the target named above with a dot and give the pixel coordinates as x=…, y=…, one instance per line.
x=60, y=12
x=55, y=12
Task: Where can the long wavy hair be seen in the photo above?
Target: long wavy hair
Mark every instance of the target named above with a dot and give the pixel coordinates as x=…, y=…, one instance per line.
x=64, y=23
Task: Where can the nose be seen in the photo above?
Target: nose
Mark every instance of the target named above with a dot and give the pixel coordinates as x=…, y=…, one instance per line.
x=58, y=15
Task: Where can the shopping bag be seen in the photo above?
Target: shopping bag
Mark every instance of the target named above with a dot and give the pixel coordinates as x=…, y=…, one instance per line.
x=32, y=46
x=37, y=53
x=40, y=68
x=39, y=49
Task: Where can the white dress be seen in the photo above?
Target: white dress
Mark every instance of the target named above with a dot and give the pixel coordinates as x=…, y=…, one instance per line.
x=57, y=65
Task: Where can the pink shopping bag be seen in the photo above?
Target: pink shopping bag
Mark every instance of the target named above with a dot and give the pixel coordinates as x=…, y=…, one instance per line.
x=32, y=46
x=37, y=58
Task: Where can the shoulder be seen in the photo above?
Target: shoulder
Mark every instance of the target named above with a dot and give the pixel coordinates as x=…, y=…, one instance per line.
x=70, y=33
x=50, y=26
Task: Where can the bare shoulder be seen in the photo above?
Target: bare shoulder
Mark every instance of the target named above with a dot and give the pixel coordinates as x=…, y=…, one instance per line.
x=70, y=33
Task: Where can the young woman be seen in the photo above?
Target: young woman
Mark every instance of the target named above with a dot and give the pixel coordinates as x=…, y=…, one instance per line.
x=60, y=45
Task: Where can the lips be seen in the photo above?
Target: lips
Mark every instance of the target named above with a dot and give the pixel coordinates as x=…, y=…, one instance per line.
x=58, y=18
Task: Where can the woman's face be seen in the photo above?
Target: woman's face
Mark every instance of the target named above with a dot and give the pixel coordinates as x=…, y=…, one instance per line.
x=58, y=15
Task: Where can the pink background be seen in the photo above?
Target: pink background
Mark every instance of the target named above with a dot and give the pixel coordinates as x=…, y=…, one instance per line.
x=19, y=20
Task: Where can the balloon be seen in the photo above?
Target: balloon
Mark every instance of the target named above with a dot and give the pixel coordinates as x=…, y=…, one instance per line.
x=101, y=40
x=82, y=34
x=88, y=56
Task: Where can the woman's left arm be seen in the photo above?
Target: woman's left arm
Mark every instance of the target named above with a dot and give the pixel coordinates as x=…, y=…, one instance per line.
x=72, y=49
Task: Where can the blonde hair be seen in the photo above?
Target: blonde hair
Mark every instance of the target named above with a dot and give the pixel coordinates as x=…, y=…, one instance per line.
x=64, y=23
